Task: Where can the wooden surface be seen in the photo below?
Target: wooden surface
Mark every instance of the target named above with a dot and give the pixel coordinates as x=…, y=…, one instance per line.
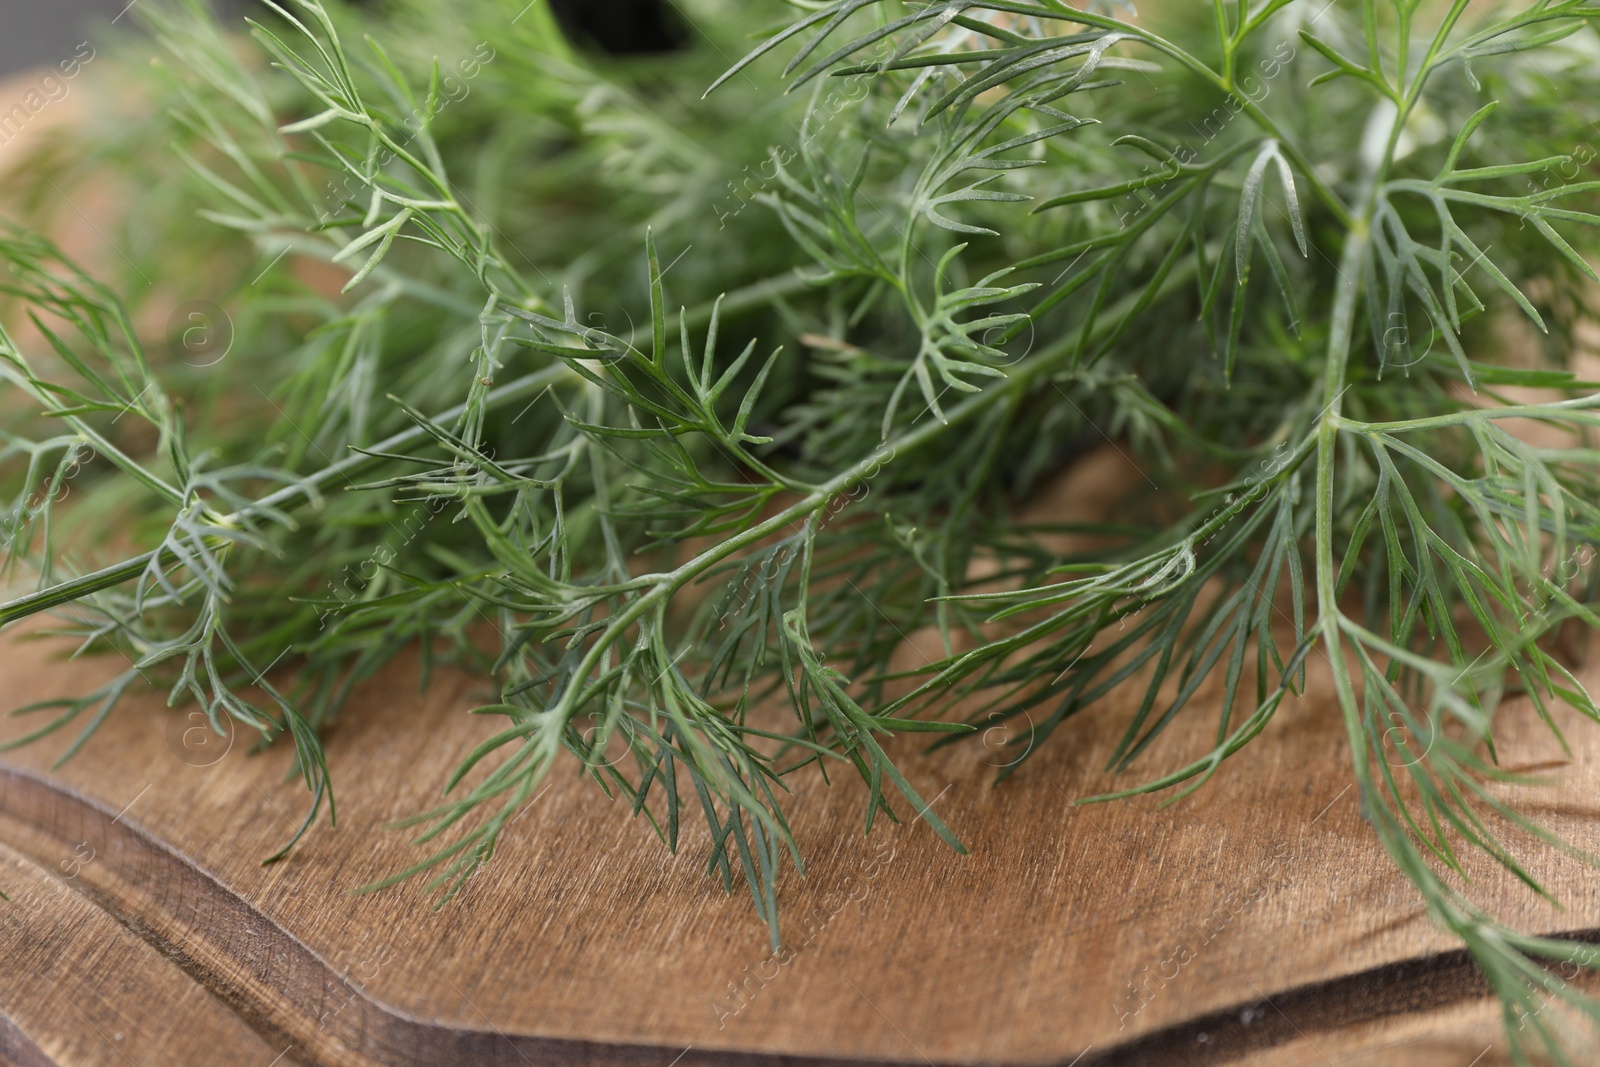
x=1256, y=922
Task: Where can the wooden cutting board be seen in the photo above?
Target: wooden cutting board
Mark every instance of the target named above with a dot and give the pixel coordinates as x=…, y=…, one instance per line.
x=1256, y=922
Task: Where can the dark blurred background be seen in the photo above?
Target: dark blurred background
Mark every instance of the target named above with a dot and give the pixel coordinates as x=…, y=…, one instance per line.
x=45, y=31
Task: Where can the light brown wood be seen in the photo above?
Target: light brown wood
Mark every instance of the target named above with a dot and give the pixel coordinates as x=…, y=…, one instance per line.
x=1257, y=922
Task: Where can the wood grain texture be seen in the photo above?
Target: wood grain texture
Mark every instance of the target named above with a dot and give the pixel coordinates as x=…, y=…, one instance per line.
x=80, y=987
x=1256, y=922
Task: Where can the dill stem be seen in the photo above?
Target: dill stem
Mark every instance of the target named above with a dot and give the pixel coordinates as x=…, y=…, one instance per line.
x=741, y=299
x=1347, y=292
x=664, y=585
x=1351, y=263
x=288, y=496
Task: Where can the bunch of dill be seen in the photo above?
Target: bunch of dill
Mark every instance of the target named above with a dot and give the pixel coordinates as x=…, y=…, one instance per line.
x=611, y=368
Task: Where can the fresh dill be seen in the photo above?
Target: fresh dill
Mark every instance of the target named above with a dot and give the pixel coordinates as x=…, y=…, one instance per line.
x=614, y=367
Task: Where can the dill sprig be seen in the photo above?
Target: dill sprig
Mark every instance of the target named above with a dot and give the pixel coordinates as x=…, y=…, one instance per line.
x=1262, y=243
